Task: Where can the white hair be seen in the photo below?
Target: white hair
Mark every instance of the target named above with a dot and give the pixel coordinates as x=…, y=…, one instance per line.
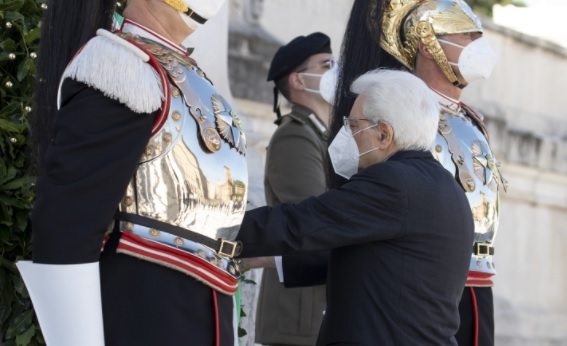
x=402, y=100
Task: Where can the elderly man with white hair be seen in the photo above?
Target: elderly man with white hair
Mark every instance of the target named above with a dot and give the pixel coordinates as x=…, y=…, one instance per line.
x=398, y=248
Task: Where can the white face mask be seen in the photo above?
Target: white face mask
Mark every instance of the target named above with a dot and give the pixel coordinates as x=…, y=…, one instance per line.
x=477, y=59
x=344, y=153
x=327, y=84
x=207, y=9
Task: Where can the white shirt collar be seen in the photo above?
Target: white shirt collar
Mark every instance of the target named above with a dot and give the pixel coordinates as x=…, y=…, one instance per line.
x=134, y=28
x=449, y=102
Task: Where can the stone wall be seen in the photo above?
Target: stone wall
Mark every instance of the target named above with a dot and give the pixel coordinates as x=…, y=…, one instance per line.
x=527, y=118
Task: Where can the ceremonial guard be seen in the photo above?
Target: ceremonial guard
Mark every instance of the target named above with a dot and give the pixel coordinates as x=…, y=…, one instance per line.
x=142, y=189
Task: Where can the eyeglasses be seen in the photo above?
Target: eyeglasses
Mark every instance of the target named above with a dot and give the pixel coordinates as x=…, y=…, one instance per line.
x=326, y=64
x=352, y=123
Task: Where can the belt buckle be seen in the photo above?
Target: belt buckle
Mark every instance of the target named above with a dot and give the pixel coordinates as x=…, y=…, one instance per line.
x=229, y=243
x=482, y=249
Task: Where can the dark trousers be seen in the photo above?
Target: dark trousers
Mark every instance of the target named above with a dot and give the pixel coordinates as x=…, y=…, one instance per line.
x=146, y=304
x=476, y=310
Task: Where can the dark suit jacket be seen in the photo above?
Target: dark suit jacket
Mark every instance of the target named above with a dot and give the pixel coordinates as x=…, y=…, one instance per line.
x=400, y=234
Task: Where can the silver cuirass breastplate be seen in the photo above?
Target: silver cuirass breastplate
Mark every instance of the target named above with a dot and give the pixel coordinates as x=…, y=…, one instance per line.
x=462, y=148
x=193, y=172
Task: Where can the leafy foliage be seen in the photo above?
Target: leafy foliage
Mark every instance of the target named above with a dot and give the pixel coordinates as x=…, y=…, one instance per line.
x=243, y=280
x=19, y=36
x=484, y=7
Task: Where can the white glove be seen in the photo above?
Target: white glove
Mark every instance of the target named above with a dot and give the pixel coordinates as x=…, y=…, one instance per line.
x=67, y=301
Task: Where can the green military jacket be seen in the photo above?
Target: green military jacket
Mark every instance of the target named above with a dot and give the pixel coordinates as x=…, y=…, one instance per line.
x=295, y=169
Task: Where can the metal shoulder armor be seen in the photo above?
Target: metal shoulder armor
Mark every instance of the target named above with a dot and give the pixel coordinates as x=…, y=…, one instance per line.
x=463, y=149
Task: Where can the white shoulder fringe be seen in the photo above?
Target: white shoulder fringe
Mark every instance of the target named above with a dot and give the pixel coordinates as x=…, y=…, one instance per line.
x=120, y=70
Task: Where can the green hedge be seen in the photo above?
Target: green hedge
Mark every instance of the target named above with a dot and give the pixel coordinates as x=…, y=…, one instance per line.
x=19, y=36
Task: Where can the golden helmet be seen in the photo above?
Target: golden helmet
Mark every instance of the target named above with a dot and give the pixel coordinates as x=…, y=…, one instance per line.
x=406, y=23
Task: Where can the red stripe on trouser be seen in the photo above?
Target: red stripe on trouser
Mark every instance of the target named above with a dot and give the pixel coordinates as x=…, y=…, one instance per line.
x=217, y=327
x=475, y=313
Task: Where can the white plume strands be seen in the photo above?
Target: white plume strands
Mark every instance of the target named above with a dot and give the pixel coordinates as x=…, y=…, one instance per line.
x=131, y=81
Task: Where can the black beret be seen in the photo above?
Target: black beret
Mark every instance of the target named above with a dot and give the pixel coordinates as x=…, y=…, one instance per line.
x=294, y=53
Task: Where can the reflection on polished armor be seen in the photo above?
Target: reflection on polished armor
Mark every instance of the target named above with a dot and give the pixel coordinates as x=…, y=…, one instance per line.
x=193, y=175
x=462, y=148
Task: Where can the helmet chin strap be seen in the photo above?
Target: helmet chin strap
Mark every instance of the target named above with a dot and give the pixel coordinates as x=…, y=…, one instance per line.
x=187, y=13
x=443, y=63
x=193, y=15
x=427, y=36
x=457, y=83
x=182, y=7
x=189, y=21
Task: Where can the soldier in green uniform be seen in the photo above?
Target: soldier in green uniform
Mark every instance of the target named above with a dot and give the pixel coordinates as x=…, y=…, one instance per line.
x=304, y=73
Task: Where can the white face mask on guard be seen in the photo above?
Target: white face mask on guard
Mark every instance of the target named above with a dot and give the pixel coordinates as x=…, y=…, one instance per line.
x=206, y=9
x=344, y=153
x=327, y=84
x=477, y=59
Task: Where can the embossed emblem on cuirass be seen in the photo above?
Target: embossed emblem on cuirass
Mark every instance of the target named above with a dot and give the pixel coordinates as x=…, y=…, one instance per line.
x=484, y=165
x=462, y=148
x=228, y=123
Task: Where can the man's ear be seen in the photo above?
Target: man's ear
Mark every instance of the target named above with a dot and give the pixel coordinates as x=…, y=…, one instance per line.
x=295, y=81
x=424, y=52
x=386, y=134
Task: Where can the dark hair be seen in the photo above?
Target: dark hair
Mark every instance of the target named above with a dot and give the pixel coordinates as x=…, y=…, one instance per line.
x=360, y=53
x=65, y=27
